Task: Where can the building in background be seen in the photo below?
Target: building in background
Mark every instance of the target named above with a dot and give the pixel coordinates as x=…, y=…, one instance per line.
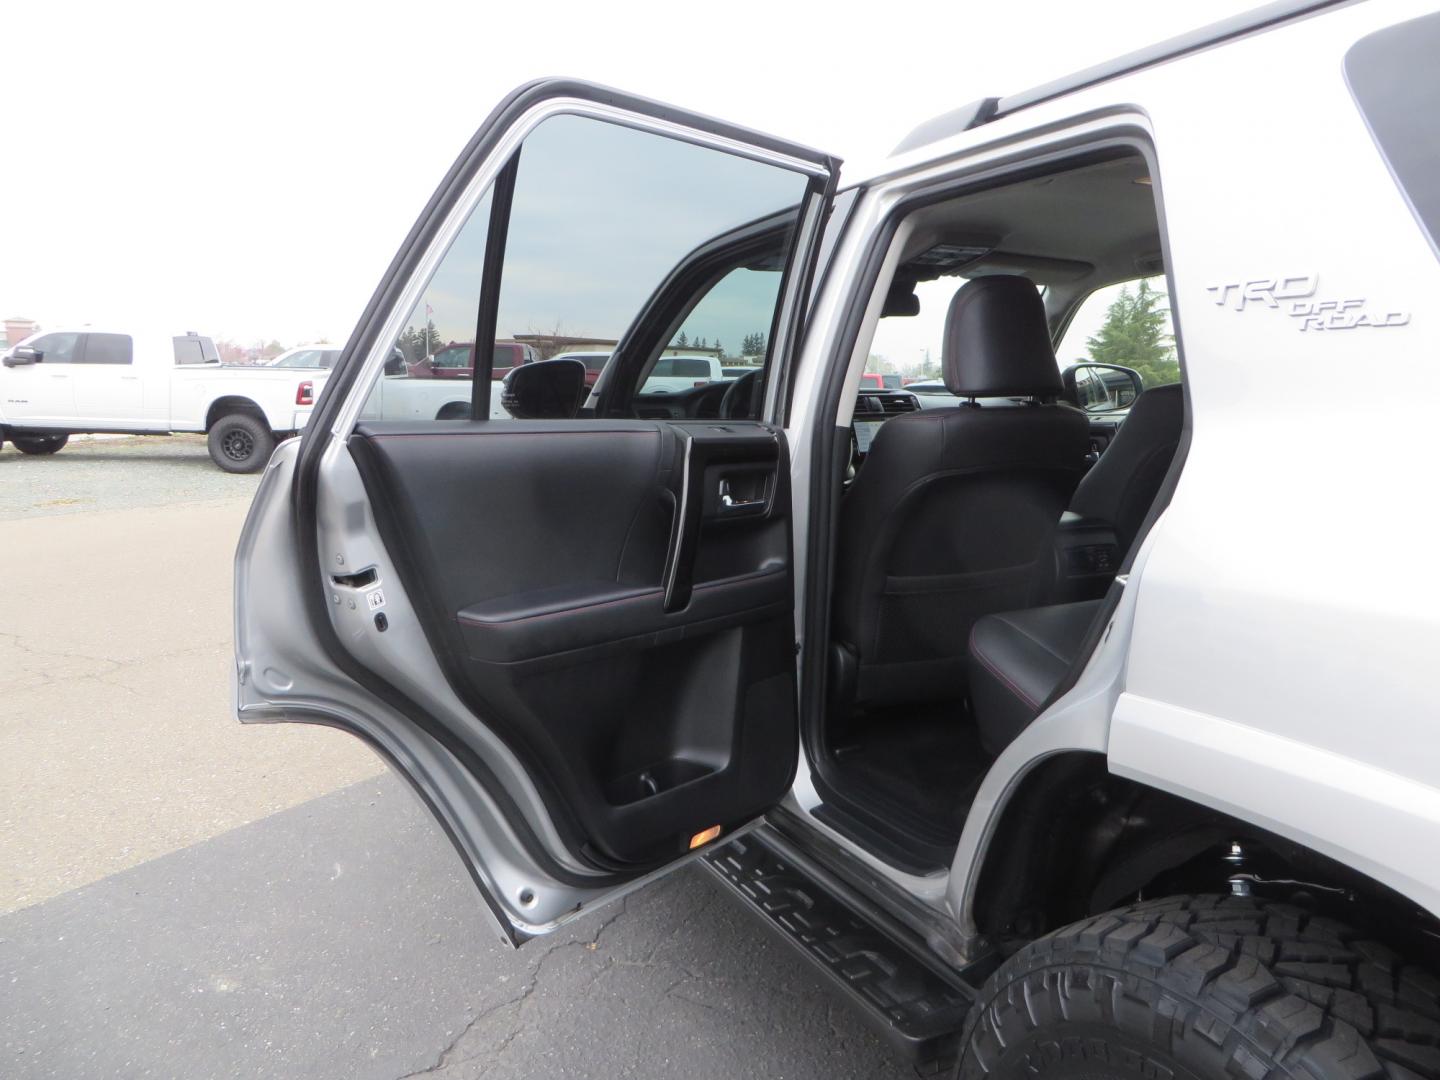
x=17, y=330
x=548, y=345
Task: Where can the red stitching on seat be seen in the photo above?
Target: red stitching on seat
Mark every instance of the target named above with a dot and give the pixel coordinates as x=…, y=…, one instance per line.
x=990, y=667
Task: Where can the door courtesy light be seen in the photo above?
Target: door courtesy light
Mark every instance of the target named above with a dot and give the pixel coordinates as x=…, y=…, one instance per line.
x=305, y=394
x=700, y=839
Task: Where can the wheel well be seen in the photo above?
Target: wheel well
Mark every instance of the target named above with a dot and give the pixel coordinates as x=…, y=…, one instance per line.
x=233, y=404
x=454, y=410
x=1075, y=840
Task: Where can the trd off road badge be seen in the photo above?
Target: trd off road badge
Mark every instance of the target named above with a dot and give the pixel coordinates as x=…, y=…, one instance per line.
x=1296, y=296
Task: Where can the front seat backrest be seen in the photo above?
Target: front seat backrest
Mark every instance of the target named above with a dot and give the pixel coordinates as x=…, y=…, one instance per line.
x=1126, y=479
x=953, y=513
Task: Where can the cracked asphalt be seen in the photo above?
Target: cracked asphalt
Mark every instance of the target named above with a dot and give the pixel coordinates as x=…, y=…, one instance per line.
x=183, y=896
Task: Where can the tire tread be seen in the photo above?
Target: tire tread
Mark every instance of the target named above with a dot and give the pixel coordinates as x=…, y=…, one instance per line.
x=1230, y=986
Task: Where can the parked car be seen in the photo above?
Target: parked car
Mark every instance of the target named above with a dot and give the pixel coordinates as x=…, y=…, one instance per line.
x=441, y=387
x=594, y=363
x=933, y=394
x=58, y=383
x=457, y=361
x=672, y=373
x=876, y=381
x=1127, y=772
x=307, y=356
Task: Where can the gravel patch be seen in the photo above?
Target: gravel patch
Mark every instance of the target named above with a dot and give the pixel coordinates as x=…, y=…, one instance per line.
x=115, y=474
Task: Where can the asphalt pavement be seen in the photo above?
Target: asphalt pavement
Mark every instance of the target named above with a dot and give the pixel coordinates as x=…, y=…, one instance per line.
x=181, y=896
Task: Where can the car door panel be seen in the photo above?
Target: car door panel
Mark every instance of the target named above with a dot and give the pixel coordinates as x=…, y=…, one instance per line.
x=42, y=393
x=574, y=636
x=556, y=628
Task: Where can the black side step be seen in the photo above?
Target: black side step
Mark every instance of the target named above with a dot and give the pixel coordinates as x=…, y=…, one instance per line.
x=916, y=1006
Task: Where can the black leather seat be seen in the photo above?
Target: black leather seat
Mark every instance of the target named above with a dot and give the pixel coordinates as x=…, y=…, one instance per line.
x=953, y=513
x=1017, y=659
x=1126, y=479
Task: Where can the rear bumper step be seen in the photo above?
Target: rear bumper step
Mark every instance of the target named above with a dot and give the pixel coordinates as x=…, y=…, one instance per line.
x=908, y=1002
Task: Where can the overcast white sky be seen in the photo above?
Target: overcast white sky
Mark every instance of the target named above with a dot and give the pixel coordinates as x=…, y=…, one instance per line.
x=248, y=169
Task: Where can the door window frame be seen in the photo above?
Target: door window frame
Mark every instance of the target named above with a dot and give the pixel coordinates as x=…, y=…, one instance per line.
x=424, y=254
x=76, y=354
x=973, y=170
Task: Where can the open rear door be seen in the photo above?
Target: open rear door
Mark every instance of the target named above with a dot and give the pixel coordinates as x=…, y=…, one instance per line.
x=573, y=631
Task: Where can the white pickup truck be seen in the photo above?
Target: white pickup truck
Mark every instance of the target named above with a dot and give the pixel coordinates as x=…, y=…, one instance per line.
x=62, y=382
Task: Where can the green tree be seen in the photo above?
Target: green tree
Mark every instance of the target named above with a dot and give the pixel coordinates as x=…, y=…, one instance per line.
x=1136, y=335
x=682, y=340
x=928, y=368
x=753, y=344
x=417, y=343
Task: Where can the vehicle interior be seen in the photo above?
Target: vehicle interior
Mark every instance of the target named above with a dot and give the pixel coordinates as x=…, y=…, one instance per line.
x=976, y=540
x=642, y=667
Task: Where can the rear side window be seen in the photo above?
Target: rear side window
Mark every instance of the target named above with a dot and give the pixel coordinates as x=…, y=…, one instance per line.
x=1395, y=80
x=457, y=356
x=108, y=349
x=1127, y=324
x=697, y=369
x=188, y=350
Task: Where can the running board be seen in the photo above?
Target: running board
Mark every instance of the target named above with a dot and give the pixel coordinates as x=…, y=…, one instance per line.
x=909, y=1003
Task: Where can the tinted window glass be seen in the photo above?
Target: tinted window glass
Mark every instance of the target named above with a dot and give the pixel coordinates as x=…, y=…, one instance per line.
x=644, y=203
x=1396, y=82
x=108, y=349
x=587, y=248
x=455, y=356
x=690, y=369
x=745, y=298
x=188, y=350
x=57, y=348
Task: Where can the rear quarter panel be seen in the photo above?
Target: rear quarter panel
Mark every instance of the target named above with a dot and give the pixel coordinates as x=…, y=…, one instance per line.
x=1287, y=619
x=194, y=389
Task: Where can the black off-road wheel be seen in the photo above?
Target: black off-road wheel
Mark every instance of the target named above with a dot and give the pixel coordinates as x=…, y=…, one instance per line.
x=240, y=443
x=39, y=444
x=1205, y=988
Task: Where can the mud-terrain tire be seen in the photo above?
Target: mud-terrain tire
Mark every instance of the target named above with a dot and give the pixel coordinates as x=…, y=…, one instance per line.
x=1205, y=987
x=39, y=444
x=240, y=443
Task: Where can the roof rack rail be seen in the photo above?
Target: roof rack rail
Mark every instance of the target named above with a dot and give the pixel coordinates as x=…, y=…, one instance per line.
x=981, y=112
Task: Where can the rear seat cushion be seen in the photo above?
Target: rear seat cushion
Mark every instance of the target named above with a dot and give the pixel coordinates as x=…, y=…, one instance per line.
x=1017, y=659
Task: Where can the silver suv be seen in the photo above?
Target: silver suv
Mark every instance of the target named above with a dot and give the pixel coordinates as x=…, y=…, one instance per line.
x=1064, y=743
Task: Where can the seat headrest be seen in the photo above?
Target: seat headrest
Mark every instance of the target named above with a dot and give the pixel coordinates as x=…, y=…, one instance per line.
x=997, y=341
